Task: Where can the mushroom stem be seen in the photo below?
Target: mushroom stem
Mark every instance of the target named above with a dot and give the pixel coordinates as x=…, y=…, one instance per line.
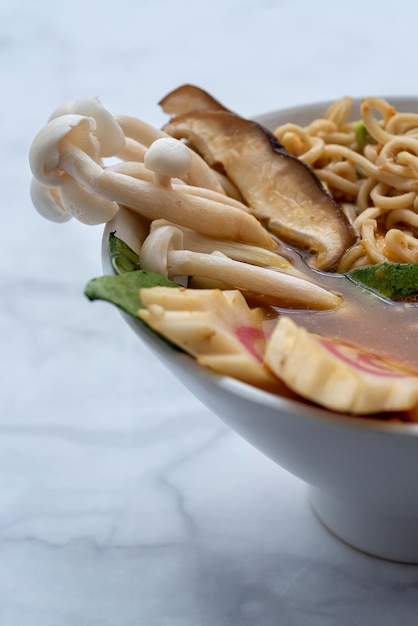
x=268, y=282
x=163, y=252
x=162, y=180
x=233, y=249
x=137, y=169
x=132, y=150
x=201, y=174
x=139, y=130
x=206, y=216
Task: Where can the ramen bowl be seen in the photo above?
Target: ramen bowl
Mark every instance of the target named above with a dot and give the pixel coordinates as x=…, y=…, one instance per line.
x=361, y=472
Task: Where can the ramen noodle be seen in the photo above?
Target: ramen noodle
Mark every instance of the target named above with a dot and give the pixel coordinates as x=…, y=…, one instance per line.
x=371, y=168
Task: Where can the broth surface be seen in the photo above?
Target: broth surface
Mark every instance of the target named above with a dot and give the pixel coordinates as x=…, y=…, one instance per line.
x=387, y=329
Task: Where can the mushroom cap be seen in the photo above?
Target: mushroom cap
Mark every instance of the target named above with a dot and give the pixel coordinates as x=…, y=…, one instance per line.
x=188, y=98
x=169, y=157
x=156, y=248
x=47, y=203
x=44, y=154
x=108, y=132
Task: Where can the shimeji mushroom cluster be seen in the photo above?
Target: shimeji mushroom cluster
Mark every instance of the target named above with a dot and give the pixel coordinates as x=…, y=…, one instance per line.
x=199, y=226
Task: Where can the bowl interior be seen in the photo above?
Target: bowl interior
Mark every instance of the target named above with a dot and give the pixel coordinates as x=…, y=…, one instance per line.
x=131, y=229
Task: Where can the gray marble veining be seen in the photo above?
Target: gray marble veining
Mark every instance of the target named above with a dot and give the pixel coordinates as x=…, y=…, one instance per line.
x=123, y=501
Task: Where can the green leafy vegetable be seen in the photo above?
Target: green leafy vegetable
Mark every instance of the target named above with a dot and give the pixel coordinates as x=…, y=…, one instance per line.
x=124, y=259
x=123, y=289
x=362, y=136
x=395, y=281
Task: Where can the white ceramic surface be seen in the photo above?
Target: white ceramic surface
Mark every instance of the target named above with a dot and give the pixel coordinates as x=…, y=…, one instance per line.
x=362, y=472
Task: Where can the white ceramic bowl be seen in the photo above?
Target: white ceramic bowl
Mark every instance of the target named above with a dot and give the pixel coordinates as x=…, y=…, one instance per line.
x=362, y=473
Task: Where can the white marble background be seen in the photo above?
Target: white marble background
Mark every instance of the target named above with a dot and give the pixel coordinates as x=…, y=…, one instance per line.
x=123, y=501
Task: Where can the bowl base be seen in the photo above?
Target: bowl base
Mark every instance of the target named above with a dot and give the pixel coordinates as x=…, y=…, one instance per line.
x=387, y=537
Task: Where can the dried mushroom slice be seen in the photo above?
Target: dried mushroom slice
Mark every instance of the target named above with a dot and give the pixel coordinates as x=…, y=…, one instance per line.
x=281, y=190
x=189, y=98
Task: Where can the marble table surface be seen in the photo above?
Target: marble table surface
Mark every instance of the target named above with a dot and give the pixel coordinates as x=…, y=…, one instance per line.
x=123, y=500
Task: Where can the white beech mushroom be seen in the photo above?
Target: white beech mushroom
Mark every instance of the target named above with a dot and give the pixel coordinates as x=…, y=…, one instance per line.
x=67, y=144
x=163, y=252
x=233, y=249
x=137, y=169
x=200, y=174
x=45, y=163
x=108, y=132
x=48, y=203
x=168, y=158
x=71, y=199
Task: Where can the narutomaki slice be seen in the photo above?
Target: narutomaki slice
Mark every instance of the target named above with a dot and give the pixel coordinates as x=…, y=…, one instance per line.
x=281, y=190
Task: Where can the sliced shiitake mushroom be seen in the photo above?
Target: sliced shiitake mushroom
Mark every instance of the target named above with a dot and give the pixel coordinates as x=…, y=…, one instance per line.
x=189, y=98
x=282, y=191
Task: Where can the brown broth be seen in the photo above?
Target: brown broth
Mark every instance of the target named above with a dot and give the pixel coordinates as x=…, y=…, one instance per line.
x=388, y=329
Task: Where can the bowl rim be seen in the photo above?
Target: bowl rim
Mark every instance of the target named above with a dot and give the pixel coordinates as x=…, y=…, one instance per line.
x=239, y=388
x=399, y=100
